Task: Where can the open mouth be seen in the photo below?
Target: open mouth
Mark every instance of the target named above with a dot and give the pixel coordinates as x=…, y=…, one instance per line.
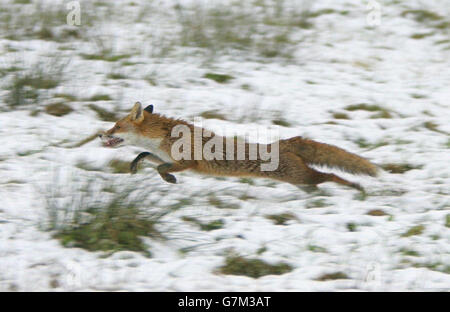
x=112, y=142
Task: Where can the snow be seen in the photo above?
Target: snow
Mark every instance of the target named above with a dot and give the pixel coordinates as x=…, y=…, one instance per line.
x=340, y=62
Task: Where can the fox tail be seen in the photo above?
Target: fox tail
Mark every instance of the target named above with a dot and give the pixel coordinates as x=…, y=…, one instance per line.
x=317, y=153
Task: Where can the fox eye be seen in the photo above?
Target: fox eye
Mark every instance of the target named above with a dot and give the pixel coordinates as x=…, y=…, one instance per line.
x=117, y=127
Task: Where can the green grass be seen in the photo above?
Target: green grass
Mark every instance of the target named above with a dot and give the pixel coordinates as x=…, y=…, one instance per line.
x=317, y=203
x=27, y=86
x=100, y=97
x=116, y=76
x=422, y=35
x=281, y=122
x=422, y=15
x=340, y=116
x=104, y=221
x=315, y=248
x=400, y=168
x=381, y=112
x=409, y=252
x=234, y=29
x=332, y=276
x=209, y=226
x=219, y=78
x=58, y=109
x=107, y=56
x=366, y=107
x=213, y=114
x=221, y=204
x=351, y=226
x=363, y=143
x=281, y=219
x=415, y=230
x=447, y=220
x=377, y=213
x=102, y=113
x=238, y=265
x=119, y=166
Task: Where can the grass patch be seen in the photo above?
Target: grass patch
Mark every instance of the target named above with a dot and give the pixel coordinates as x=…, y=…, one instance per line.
x=421, y=35
x=422, y=15
x=377, y=213
x=100, y=97
x=315, y=248
x=447, y=220
x=281, y=122
x=213, y=114
x=282, y=218
x=415, y=230
x=221, y=204
x=363, y=143
x=433, y=127
x=58, y=109
x=107, y=222
x=119, y=166
x=366, y=107
x=209, y=226
x=382, y=115
x=219, y=78
x=332, y=276
x=381, y=112
x=351, y=226
x=399, y=168
x=106, y=56
x=236, y=30
x=238, y=265
x=86, y=140
x=29, y=85
x=66, y=96
x=103, y=114
x=317, y=203
x=340, y=116
x=409, y=252
x=116, y=76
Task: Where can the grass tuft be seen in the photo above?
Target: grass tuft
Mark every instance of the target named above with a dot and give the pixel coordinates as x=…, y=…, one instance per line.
x=219, y=78
x=101, y=221
x=281, y=219
x=102, y=113
x=415, y=230
x=237, y=265
x=399, y=168
x=58, y=109
x=332, y=276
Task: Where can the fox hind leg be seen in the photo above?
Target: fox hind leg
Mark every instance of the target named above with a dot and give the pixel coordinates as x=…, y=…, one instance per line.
x=297, y=172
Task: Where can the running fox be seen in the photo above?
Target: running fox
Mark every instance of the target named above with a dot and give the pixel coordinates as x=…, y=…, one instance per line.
x=154, y=133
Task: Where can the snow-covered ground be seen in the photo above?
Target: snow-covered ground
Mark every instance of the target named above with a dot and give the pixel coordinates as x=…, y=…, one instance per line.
x=400, y=66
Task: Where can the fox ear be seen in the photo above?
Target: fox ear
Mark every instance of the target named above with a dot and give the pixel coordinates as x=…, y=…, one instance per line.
x=149, y=109
x=136, y=113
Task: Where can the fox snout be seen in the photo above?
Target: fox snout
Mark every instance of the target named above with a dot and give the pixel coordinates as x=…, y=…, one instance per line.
x=110, y=140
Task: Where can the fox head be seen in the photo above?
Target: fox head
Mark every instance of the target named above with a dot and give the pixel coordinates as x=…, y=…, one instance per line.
x=126, y=131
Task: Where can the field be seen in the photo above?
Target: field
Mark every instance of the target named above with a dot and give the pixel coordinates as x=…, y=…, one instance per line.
x=72, y=217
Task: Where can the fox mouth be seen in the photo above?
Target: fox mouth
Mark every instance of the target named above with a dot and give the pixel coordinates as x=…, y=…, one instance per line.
x=111, y=142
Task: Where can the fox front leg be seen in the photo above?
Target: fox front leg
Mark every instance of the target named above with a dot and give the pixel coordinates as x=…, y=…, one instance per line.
x=151, y=157
x=165, y=168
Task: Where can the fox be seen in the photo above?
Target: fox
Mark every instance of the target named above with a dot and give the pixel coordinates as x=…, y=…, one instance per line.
x=154, y=133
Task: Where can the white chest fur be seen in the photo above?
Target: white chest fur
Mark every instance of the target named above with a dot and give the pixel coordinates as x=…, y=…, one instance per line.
x=149, y=144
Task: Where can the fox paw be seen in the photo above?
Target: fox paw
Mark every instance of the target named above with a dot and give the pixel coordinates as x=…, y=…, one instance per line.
x=133, y=167
x=169, y=178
